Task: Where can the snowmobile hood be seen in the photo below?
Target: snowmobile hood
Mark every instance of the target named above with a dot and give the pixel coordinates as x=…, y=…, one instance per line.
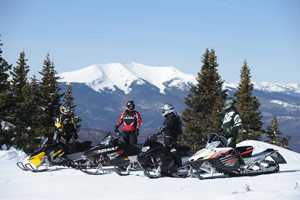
x=209, y=153
x=36, y=159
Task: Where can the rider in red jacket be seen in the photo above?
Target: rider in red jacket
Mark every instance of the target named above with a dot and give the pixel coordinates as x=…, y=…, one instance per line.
x=131, y=121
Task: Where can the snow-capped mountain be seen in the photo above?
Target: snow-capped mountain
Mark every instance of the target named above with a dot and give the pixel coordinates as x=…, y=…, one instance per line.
x=270, y=87
x=101, y=92
x=122, y=76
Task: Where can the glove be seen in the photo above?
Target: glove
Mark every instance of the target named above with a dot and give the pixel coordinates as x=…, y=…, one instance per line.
x=137, y=132
x=160, y=130
x=116, y=129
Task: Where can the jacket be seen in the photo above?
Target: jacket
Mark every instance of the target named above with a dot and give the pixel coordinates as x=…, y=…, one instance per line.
x=131, y=121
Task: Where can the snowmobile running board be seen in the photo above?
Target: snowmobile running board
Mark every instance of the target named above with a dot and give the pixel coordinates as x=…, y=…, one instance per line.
x=99, y=170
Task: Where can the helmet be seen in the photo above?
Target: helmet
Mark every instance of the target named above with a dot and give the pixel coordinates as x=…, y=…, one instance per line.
x=129, y=103
x=64, y=110
x=167, y=109
x=229, y=103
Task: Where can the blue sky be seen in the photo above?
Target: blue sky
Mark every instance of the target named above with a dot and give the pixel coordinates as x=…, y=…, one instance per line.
x=157, y=32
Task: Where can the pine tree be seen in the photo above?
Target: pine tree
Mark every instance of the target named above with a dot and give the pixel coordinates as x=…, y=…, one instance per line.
x=49, y=97
x=4, y=98
x=248, y=107
x=36, y=124
x=69, y=101
x=273, y=132
x=19, y=113
x=204, y=113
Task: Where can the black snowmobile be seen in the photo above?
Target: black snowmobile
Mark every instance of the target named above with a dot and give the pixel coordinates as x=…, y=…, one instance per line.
x=157, y=160
x=218, y=157
x=51, y=154
x=111, y=155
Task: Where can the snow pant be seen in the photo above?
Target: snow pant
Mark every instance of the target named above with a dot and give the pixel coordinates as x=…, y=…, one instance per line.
x=234, y=136
x=171, y=145
x=171, y=141
x=130, y=137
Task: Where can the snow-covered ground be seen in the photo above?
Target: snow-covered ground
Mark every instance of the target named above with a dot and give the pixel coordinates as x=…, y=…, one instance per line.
x=72, y=184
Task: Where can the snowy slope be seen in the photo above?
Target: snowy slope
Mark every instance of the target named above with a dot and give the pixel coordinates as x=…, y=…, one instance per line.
x=69, y=184
x=107, y=76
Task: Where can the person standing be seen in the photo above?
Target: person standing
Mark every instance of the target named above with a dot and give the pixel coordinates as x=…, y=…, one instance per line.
x=172, y=127
x=131, y=121
x=65, y=128
x=231, y=122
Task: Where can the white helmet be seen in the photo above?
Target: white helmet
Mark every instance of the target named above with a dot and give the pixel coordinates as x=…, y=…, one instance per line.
x=167, y=109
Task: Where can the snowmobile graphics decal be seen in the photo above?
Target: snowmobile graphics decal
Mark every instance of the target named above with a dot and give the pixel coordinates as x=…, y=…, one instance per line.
x=105, y=150
x=36, y=160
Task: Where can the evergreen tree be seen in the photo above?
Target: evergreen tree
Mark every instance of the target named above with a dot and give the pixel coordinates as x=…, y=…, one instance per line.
x=204, y=113
x=36, y=124
x=285, y=141
x=69, y=101
x=4, y=98
x=273, y=132
x=19, y=113
x=248, y=107
x=49, y=97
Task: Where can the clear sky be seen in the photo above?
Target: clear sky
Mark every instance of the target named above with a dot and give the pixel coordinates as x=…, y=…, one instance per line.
x=157, y=32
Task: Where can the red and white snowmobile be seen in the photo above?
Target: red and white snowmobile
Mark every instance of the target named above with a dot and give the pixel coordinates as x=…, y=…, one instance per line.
x=218, y=157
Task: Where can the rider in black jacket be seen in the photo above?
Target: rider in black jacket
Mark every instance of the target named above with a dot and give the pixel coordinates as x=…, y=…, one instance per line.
x=231, y=122
x=172, y=128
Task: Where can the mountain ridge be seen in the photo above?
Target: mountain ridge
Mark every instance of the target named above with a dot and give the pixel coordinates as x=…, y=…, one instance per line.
x=103, y=77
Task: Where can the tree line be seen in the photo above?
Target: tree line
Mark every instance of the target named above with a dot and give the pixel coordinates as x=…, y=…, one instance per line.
x=204, y=113
x=28, y=107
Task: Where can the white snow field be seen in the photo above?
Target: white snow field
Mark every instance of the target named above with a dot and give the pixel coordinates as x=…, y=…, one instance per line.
x=73, y=184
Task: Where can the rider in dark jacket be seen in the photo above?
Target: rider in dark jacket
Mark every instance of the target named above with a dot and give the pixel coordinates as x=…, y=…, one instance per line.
x=231, y=123
x=131, y=121
x=64, y=135
x=171, y=128
x=65, y=128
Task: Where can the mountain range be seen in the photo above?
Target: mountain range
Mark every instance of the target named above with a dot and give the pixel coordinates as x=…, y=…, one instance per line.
x=101, y=92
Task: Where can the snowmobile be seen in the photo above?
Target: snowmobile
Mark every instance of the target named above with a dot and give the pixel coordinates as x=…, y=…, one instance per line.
x=239, y=161
x=157, y=160
x=111, y=155
x=51, y=154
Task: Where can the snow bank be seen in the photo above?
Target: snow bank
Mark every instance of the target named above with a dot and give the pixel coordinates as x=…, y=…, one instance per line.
x=12, y=154
x=71, y=184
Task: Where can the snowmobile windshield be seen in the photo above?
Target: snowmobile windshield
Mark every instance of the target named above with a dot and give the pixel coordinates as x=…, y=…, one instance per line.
x=43, y=141
x=212, y=137
x=214, y=140
x=150, y=140
x=107, y=139
x=212, y=145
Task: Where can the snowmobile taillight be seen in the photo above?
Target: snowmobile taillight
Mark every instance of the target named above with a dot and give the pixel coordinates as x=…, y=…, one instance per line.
x=119, y=152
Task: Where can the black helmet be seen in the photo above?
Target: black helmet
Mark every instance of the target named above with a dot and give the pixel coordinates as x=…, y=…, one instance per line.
x=229, y=103
x=129, y=103
x=167, y=109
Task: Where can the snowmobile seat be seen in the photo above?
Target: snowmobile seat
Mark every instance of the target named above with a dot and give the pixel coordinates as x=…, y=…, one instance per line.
x=245, y=151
